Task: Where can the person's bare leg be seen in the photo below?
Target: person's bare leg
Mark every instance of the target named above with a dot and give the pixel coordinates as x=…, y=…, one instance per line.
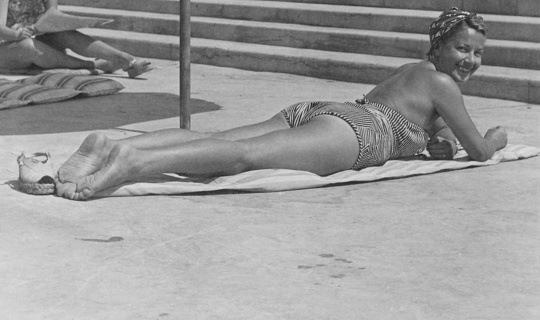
x=49, y=58
x=15, y=55
x=172, y=137
x=325, y=145
x=93, y=152
x=87, y=46
x=89, y=158
x=28, y=52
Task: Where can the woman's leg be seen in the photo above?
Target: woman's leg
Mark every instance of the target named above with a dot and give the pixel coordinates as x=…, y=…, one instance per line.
x=29, y=52
x=87, y=160
x=323, y=146
x=172, y=137
x=87, y=46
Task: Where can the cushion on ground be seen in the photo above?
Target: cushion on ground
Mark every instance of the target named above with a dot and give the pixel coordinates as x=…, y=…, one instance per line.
x=91, y=86
x=34, y=93
x=6, y=103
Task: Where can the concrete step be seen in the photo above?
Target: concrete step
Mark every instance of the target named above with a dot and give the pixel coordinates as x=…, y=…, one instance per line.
x=146, y=34
x=309, y=39
x=153, y=6
x=137, y=21
x=502, y=7
x=406, y=45
x=146, y=45
x=357, y=17
x=489, y=81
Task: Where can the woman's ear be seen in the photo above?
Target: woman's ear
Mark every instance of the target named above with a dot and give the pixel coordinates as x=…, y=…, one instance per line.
x=436, y=51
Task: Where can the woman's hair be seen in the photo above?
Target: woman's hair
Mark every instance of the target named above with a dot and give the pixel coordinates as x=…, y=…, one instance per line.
x=451, y=22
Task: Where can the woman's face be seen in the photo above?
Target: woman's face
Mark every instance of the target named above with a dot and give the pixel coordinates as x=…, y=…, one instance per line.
x=461, y=55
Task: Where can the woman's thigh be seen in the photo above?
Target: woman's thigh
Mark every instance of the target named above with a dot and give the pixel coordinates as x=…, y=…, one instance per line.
x=324, y=145
x=65, y=39
x=16, y=55
x=275, y=123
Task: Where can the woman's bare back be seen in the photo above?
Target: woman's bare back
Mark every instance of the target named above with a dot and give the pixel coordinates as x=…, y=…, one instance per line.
x=407, y=92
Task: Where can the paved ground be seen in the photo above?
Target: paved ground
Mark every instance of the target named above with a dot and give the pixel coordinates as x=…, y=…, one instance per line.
x=453, y=245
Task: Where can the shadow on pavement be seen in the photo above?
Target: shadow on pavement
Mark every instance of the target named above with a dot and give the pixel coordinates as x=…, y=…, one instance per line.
x=95, y=113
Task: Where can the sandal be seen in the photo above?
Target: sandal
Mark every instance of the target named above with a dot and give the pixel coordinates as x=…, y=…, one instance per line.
x=36, y=176
x=137, y=67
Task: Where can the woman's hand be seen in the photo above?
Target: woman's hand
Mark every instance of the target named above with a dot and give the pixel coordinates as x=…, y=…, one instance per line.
x=441, y=149
x=20, y=32
x=498, y=136
x=25, y=32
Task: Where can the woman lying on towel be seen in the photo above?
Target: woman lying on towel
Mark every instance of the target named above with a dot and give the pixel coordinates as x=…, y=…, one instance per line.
x=420, y=106
x=20, y=49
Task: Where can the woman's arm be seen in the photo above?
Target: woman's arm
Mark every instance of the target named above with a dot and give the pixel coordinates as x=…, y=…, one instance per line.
x=9, y=34
x=442, y=143
x=448, y=102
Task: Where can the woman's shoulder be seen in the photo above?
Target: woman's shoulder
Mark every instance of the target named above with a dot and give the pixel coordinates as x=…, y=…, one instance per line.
x=423, y=69
x=426, y=74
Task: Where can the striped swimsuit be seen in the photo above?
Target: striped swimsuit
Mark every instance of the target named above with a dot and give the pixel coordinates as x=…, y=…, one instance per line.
x=382, y=133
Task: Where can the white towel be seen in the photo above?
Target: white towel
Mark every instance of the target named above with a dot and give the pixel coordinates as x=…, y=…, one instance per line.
x=270, y=180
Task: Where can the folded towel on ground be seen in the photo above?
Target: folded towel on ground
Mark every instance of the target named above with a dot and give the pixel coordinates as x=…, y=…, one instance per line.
x=271, y=180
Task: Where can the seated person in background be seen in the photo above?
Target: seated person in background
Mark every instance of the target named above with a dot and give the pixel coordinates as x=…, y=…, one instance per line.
x=20, y=50
x=419, y=106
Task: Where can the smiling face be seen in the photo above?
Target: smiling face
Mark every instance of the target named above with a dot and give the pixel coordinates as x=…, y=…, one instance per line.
x=460, y=55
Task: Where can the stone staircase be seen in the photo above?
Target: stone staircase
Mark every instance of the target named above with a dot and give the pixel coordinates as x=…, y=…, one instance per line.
x=364, y=41
x=348, y=40
x=145, y=28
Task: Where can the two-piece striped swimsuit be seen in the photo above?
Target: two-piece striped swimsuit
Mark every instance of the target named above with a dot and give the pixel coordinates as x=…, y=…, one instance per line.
x=382, y=133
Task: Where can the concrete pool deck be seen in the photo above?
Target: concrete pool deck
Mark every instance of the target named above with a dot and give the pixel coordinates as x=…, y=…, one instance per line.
x=453, y=245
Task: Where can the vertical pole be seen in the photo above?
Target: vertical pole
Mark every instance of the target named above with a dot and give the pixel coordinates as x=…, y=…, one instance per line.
x=185, y=69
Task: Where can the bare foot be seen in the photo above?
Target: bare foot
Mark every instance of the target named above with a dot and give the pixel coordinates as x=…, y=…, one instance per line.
x=90, y=157
x=137, y=67
x=118, y=167
x=106, y=65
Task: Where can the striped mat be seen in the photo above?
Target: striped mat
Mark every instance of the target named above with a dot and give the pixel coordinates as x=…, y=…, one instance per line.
x=271, y=180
